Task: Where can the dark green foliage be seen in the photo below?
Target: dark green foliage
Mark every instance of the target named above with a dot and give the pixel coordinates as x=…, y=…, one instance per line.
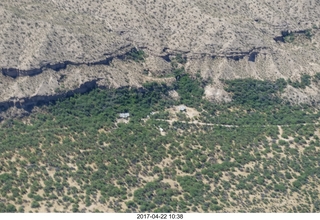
x=288, y=37
x=5, y=177
x=131, y=204
x=191, y=185
x=79, y=139
x=288, y=175
x=189, y=89
x=153, y=195
x=161, y=115
x=214, y=207
x=258, y=103
x=180, y=59
x=305, y=81
x=280, y=187
x=255, y=93
x=35, y=204
x=7, y=208
x=308, y=33
x=107, y=105
x=136, y=55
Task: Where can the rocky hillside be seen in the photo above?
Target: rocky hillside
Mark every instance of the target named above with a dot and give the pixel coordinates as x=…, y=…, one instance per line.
x=50, y=48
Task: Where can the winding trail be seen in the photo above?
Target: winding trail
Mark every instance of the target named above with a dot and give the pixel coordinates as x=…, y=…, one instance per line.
x=235, y=126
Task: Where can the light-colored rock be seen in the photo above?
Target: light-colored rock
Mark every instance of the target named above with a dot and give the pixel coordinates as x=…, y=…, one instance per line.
x=55, y=46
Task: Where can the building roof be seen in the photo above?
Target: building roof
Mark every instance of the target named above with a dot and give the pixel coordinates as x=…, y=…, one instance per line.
x=124, y=115
x=182, y=108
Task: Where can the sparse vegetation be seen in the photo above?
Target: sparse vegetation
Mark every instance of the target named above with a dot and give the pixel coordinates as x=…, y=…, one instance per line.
x=136, y=55
x=304, y=81
x=288, y=37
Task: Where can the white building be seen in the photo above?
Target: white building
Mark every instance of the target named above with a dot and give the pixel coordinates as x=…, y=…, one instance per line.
x=124, y=115
x=182, y=108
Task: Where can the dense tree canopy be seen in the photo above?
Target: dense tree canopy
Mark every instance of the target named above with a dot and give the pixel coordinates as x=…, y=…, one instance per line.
x=247, y=155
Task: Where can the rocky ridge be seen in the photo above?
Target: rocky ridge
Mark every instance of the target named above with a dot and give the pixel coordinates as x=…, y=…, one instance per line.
x=54, y=48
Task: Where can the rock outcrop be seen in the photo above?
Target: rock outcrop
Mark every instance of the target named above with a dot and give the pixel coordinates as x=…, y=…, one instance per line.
x=50, y=48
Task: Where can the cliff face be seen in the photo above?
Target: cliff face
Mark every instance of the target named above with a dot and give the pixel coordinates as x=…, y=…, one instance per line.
x=51, y=47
